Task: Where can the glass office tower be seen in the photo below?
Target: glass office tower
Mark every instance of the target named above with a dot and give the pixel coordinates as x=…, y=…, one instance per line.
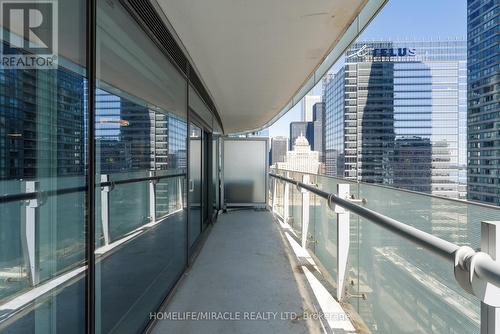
x=483, y=101
x=396, y=115
x=297, y=129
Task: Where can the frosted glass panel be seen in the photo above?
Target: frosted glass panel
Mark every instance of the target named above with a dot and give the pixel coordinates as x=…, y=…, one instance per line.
x=245, y=171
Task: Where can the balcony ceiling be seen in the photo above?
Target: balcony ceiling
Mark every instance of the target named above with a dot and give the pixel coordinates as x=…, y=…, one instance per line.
x=254, y=55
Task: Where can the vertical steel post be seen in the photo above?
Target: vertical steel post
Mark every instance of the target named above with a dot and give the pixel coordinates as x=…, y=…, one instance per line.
x=305, y=211
x=286, y=204
x=343, y=232
x=490, y=236
x=179, y=193
x=273, y=203
x=105, y=209
x=152, y=198
x=28, y=226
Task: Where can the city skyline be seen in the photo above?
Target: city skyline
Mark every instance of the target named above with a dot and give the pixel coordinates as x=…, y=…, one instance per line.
x=390, y=24
x=396, y=115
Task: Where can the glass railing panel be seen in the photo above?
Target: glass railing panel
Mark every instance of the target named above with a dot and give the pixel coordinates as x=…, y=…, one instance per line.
x=14, y=274
x=391, y=283
x=63, y=247
x=280, y=199
x=427, y=281
x=396, y=286
x=128, y=204
x=295, y=219
x=444, y=218
x=168, y=195
x=326, y=227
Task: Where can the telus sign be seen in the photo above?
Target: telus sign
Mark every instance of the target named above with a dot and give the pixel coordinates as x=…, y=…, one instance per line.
x=394, y=52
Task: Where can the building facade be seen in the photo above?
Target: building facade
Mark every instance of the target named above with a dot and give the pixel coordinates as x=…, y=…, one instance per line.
x=308, y=103
x=300, y=129
x=301, y=158
x=279, y=147
x=396, y=114
x=318, y=129
x=483, y=101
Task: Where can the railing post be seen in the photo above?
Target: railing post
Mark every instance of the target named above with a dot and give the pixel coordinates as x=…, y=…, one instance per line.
x=305, y=211
x=179, y=193
x=490, y=236
x=286, y=204
x=273, y=203
x=29, y=231
x=152, y=198
x=105, y=208
x=343, y=239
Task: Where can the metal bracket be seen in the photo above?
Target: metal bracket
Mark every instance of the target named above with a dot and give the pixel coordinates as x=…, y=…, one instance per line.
x=105, y=207
x=351, y=198
x=466, y=259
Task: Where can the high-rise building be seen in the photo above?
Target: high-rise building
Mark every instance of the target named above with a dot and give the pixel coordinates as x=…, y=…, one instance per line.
x=318, y=129
x=301, y=158
x=307, y=107
x=396, y=114
x=300, y=129
x=337, y=144
x=483, y=101
x=279, y=147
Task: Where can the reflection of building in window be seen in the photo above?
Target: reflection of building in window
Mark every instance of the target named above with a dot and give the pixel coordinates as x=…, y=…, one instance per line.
x=301, y=159
x=31, y=146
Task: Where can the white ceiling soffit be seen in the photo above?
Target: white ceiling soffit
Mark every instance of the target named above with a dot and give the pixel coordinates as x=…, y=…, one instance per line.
x=258, y=58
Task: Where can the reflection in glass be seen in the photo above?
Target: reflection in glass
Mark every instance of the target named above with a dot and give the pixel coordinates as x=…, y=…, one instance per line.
x=42, y=151
x=140, y=158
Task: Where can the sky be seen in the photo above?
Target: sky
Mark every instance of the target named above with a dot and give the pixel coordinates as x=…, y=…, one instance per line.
x=400, y=19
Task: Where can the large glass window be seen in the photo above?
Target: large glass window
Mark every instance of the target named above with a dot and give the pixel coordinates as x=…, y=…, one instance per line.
x=140, y=153
x=43, y=118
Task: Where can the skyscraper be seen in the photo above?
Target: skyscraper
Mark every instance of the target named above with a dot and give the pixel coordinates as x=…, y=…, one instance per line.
x=300, y=128
x=483, y=101
x=278, y=149
x=318, y=129
x=307, y=106
x=396, y=114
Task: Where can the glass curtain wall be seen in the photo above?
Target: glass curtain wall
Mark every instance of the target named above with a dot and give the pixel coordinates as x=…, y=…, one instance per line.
x=43, y=171
x=140, y=153
x=141, y=185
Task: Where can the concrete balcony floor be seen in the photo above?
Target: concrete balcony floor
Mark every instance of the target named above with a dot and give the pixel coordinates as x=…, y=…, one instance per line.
x=248, y=267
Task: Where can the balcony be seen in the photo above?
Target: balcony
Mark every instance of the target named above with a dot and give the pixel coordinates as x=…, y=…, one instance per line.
x=136, y=198
x=326, y=255
x=247, y=279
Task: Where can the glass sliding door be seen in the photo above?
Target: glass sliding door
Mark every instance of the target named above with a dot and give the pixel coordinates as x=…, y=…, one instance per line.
x=140, y=154
x=43, y=172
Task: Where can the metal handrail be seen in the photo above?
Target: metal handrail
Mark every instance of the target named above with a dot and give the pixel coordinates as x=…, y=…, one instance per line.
x=389, y=187
x=484, y=267
x=48, y=193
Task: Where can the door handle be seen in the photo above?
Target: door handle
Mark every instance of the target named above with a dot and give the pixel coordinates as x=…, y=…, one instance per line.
x=191, y=185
